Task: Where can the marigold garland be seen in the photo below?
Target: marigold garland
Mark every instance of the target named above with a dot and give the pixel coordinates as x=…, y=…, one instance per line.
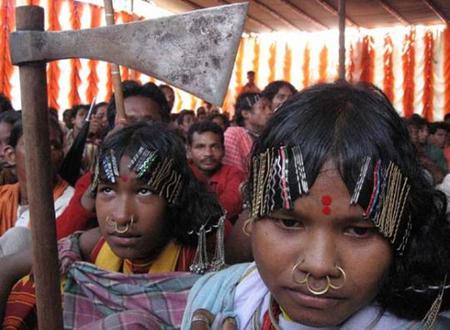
x=323, y=64
x=256, y=54
x=306, y=63
x=408, y=63
x=427, y=98
x=388, y=77
x=92, y=89
x=351, y=66
x=447, y=69
x=53, y=71
x=367, y=59
x=75, y=80
x=272, y=61
x=238, y=66
x=287, y=65
x=7, y=21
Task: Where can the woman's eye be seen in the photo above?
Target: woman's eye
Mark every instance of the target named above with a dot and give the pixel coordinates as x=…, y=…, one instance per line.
x=360, y=231
x=144, y=192
x=105, y=190
x=288, y=223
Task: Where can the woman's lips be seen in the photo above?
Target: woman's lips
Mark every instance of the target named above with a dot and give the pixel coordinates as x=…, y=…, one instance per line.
x=123, y=240
x=315, y=302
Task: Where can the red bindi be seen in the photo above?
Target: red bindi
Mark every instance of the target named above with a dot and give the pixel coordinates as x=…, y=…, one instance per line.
x=124, y=178
x=326, y=210
x=326, y=202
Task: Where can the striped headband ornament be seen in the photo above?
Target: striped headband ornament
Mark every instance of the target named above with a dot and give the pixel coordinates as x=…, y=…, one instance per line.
x=159, y=173
x=278, y=178
x=387, y=203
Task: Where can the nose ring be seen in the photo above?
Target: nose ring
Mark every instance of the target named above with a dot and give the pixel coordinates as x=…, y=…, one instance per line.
x=120, y=229
x=329, y=284
x=294, y=272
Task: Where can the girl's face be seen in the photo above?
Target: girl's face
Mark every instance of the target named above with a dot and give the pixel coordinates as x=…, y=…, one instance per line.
x=280, y=97
x=131, y=197
x=260, y=114
x=324, y=231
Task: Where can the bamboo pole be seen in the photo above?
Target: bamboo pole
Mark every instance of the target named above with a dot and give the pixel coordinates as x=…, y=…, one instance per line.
x=117, y=82
x=39, y=184
x=341, y=39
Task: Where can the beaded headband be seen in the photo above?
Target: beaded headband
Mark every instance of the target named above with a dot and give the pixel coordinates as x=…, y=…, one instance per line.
x=278, y=178
x=159, y=173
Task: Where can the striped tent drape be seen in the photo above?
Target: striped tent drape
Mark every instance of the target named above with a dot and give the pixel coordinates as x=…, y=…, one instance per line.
x=411, y=64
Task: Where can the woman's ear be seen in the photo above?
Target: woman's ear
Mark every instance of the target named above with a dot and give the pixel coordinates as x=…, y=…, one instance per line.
x=10, y=155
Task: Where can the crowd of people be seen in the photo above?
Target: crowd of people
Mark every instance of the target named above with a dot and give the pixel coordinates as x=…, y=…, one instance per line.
x=311, y=209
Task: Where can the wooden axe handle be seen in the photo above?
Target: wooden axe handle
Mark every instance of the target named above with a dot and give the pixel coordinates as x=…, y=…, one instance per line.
x=115, y=69
x=38, y=168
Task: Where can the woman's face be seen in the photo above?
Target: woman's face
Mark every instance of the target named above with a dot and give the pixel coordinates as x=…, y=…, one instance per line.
x=131, y=197
x=323, y=231
x=280, y=97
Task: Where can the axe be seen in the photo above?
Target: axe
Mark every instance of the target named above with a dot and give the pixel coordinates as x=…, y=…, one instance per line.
x=194, y=52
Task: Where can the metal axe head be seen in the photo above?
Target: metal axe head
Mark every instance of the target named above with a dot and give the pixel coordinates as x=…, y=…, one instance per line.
x=193, y=51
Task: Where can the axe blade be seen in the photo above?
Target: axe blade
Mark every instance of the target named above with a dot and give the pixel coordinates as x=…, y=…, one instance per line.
x=194, y=51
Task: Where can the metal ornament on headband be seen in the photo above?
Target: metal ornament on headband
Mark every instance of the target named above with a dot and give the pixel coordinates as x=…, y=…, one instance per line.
x=278, y=178
x=160, y=174
x=387, y=201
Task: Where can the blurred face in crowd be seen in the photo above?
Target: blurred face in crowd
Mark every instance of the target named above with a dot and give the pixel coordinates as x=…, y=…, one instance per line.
x=422, y=134
x=413, y=133
x=67, y=118
x=280, y=97
x=100, y=116
x=78, y=121
x=251, y=77
x=206, y=151
x=141, y=108
x=188, y=120
x=5, y=132
x=439, y=138
x=257, y=118
x=169, y=94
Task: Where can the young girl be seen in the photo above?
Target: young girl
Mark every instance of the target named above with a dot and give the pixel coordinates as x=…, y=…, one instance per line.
x=345, y=230
x=149, y=209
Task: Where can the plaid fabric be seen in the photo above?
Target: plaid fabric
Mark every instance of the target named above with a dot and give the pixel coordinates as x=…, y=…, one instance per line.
x=97, y=299
x=238, y=145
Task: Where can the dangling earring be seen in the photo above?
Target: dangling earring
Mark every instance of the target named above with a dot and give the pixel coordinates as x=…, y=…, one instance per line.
x=200, y=264
x=218, y=261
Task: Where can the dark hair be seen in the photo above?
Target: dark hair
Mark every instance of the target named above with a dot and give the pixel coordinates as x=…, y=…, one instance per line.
x=77, y=108
x=226, y=121
x=196, y=206
x=272, y=88
x=98, y=105
x=201, y=110
x=17, y=130
x=244, y=102
x=10, y=116
x=134, y=88
x=251, y=72
x=203, y=127
x=417, y=121
x=183, y=113
x=433, y=127
x=346, y=123
x=5, y=103
x=447, y=116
